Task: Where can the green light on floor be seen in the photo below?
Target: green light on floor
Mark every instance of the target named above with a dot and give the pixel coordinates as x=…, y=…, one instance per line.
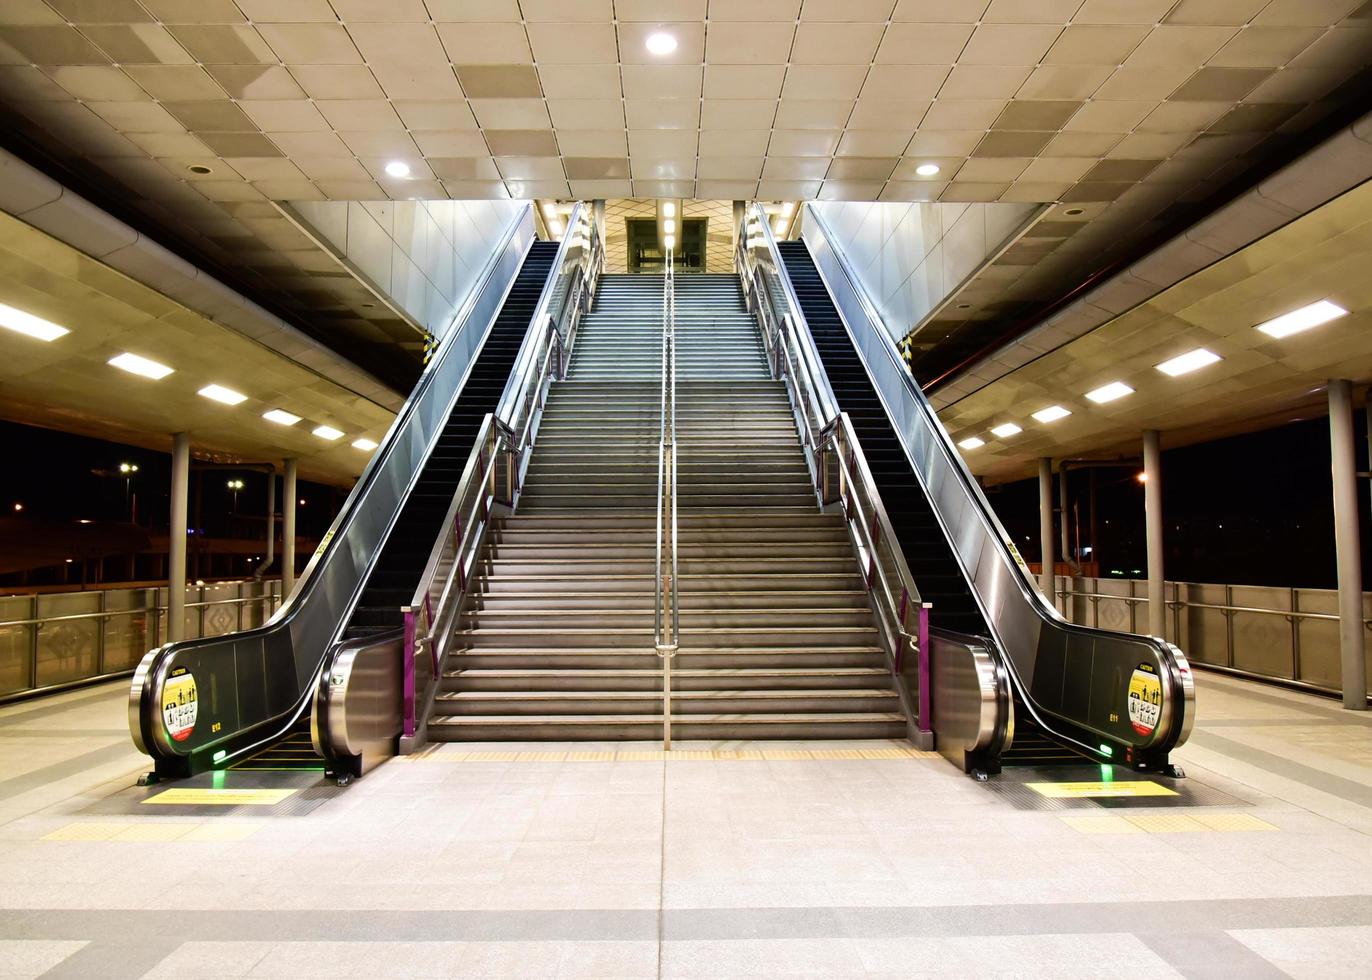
x=1106, y=751
x=217, y=779
x=219, y=756
x=1107, y=773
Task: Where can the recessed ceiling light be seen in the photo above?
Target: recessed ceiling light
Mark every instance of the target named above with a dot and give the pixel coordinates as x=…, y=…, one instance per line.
x=1188, y=362
x=1075, y=211
x=669, y=241
x=971, y=443
x=1108, y=393
x=200, y=169
x=660, y=43
x=366, y=445
x=927, y=169
x=669, y=225
x=669, y=209
x=1302, y=319
x=29, y=325
x=280, y=418
x=1005, y=430
x=1051, y=414
x=221, y=394
x=327, y=432
x=398, y=168
x=134, y=364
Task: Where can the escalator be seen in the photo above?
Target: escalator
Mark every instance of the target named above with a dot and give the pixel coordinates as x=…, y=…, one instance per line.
x=246, y=700
x=1069, y=688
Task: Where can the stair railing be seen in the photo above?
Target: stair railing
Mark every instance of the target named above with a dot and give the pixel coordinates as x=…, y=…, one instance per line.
x=666, y=623
x=838, y=467
x=490, y=483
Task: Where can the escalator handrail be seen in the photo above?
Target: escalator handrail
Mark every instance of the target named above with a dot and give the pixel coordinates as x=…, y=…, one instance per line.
x=1169, y=730
x=355, y=535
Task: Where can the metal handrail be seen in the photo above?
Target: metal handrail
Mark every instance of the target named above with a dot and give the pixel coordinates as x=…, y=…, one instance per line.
x=666, y=622
x=832, y=451
x=506, y=435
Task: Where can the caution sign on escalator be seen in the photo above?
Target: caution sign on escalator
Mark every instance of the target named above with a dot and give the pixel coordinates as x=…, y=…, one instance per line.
x=1145, y=699
x=180, y=704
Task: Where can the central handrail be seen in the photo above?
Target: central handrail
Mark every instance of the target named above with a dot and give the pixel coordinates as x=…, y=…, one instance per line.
x=838, y=467
x=666, y=621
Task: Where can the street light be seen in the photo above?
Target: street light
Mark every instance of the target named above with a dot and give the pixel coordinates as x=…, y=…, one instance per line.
x=128, y=469
x=235, y=486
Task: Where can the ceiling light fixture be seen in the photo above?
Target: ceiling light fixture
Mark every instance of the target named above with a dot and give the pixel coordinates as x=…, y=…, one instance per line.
x=1110, y=392
x=789, y=208
x=219, y=393
x=280, y=417
x=366, y=445
x=327, y=432
x=927, y=169
x=549, y=209
x=669, y=225
x=1051, y=414
x=669, y=242
x=141, y=366
x=971, y=442
x=398, y=168
x=1302, y=319
x=660, y=43
x=1188, y=362
x=1005, y=430
x=29, y=325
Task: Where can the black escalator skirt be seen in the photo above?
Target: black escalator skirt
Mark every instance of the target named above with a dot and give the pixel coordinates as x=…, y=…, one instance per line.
x=395, y=572
x=930, y=558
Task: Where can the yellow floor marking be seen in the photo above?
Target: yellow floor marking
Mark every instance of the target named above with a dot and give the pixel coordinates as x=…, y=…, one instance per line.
x=787, y=754
x=187, y=796
x=1167, y=823
x=153, y=832
x=221, y=833
x=886, y=753
x=1100, y=825
x=629, y=756
x=543, y=756
x=1233, y=822
x=1077, y=791
x=494, y=756
x=690, y=755
x=87, y=831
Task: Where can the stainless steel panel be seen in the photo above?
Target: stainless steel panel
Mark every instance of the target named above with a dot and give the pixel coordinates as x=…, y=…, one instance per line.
x=1262, y=640
x=16, y=643
x=1115, y=614
x=1319, y=638
x=128, y=633
x=68, y=649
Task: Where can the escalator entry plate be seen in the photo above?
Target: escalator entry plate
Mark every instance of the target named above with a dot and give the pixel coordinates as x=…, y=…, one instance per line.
x=1101, y=787
x=1077, y=791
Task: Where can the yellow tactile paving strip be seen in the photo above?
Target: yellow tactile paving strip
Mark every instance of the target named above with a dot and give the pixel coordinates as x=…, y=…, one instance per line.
x=447, y=753
x=215, y=832
x=1168, y=823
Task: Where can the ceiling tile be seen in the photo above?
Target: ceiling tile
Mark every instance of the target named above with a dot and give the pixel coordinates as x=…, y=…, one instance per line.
x=835, y=44
x=214, y=117
x=476, y=190
x=861, y=168
x=726, y=190
x=1217, y=84
x=359, y=115
x=662, y=114
x=510, y=113
x=1264, y=47
x=983, y=82
x=1230, y=13
x=531, y=168
x=573, y=44
x=662, y=81
x=803, y=142
x=251, y=81
x=754, y=10
x=417, y=80
x=587, y=113
x=972, y=192
x=298, y=145
x=1027, y=114
x=729, y=168
x=138, y=44
x=1121, y=170
x=1109, y=117
x=659, y=144
x=596, y=168
x=97, y=82
x=141, y=117
x=593, y=11
x=940, y=11
x=381, y=146
x=288, y=11
x=371, y=11
x=194, y=11
x=873, y=143
x=274, y=116
x=1171, y=46
x=690, y=49
x=499, y=81
x=240, y=144
x=521, y=142
x=850, y=190
x=963, y=115
x=1122, y=11
x=450, y=143
x=795, y=168
x=1064, y=81
x=737, y=114
x=330, y=168
x=483, y=44
x=445, y=114
x=664, y=188
x=748, y=44
x=950, y=143
x=589, y=190
x=1144, y=82
x=826, y=82
x=1092, y=191
x=660, y=10
x=1182, y=117
x=1030, y=11
x=788, y=190
x=337, y=82
x=1057, y=169
x=1080, y=144
x=904, y=82
x=909, y=190
x=923, y=44
x=743, y=81
x=871, y=11
x=580, y=81
x=887, y=114
x=52, y=45
x=304, y=44
x=1003, y=143
x=1008, y=44
x=1094, y=45
x=732, y=142
x=593, y=143
x=812, y=114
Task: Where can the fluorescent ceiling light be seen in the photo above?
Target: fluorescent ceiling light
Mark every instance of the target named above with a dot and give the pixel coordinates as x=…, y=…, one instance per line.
x=927, y=169
x=668, y=209
x=327, y=432
x=221, y=394
x=549, y=208
x=789, y=208
x=660, y=43
x=29, y=325
x=1005, y=430
x=669, y=225
x=1302, y=319
x=366, y=445
x=398, y=168
x=280, y=418
x=134, y=364
x=669, y=241
x=1188, y=362
x=971, y=443
x=1051, y=414
x=1108, y=393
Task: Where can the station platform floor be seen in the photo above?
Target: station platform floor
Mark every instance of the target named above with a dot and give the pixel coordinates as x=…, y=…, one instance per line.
x=731, y=860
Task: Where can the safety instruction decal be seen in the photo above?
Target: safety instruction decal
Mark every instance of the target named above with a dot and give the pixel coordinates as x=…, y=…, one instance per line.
x=1082, y=791
x=180, y=704
x=1145, y=699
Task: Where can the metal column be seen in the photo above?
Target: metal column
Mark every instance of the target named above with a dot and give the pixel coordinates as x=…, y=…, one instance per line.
x=176, y=537
x=1046, y=526
x=288, y=502
x=1152, y=507
x=271, y=519
x=1066, y=543
x=1343, y=455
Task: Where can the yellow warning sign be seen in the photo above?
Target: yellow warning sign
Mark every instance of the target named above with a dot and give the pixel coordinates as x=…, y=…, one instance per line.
x=189, y=796
x=1077, y=791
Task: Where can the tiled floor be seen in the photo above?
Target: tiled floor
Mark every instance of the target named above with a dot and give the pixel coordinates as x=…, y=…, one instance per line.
x=746, y=861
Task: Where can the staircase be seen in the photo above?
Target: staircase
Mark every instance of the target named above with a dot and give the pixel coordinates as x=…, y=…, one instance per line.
x=777, y=640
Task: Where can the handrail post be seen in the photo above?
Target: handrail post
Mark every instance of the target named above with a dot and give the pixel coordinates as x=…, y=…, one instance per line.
x=408, y=671
x=926, y=721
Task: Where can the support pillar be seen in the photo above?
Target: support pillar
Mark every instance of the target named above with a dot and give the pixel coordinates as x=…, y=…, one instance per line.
x=1066, y=543
x=271, y=519
x=176, y=537
x=1046, y=527
x=1152, y=509
x=1343, y=456
x=289, y=498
